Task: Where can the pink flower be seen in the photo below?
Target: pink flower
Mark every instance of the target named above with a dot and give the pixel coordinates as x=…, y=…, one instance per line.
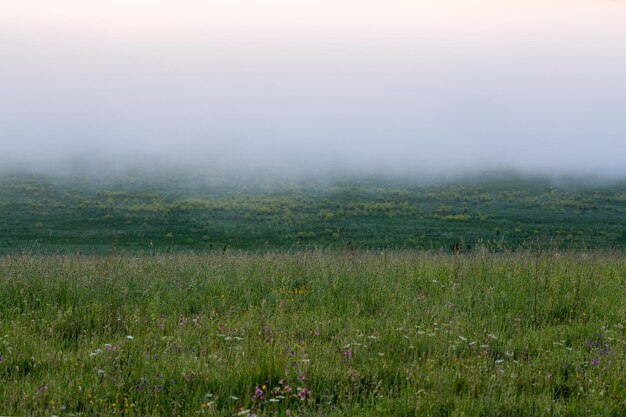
x=348, y=353
x=258, y=394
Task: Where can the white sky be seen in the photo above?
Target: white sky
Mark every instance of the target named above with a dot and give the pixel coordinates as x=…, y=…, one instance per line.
x=430, y=84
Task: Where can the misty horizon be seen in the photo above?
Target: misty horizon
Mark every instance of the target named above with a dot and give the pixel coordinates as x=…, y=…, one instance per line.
x=399, y=88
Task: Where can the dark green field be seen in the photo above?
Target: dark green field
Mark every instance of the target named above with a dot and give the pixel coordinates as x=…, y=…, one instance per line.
x=148, y=213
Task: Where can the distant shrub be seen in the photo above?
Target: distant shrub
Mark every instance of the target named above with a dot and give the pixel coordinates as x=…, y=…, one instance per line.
x=456, y=217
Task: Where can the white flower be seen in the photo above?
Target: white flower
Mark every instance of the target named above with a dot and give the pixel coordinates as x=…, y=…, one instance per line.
x=129, y=337
x=96, y=352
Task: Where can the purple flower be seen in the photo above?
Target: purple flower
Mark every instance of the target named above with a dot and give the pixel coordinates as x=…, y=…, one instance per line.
x=302, y=394
x=594, y=362
x=258, y=394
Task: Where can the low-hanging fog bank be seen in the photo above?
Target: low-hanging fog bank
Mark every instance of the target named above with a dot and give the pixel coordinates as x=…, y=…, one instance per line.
x=236, y=173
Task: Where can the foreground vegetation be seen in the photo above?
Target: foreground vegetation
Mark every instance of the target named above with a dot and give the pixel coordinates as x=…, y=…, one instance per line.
x=148, y=213
x=314, y=333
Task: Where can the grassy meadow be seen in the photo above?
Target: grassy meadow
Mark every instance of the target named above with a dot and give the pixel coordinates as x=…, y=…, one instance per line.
x=333, y=333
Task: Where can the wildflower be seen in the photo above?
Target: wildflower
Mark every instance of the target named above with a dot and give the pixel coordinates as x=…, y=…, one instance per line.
x=594, y=362
x=348, y=353
x=129, y=337
x=499, y=361
x=258, y=394
x=302, y=394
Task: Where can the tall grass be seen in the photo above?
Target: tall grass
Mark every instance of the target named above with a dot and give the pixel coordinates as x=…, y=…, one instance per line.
x=320, y=333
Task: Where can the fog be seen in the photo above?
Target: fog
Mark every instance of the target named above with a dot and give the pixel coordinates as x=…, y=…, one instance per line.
x=402, y=87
